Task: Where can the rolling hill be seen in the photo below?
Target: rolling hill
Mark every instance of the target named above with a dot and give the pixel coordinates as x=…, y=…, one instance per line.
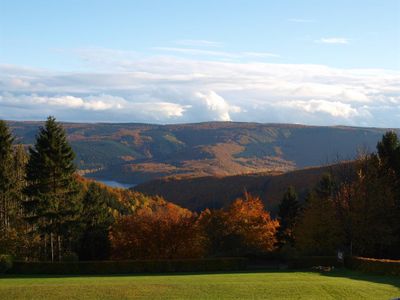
x=200, y=193
x=135, y=153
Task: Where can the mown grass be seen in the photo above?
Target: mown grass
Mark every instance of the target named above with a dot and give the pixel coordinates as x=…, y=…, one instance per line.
x=261, y=285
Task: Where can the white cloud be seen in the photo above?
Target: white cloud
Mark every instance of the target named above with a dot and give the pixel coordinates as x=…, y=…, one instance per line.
x=99, y=103
x=159, y=110
x=334, y=40
x=217, y=106
x=168, y=89
x=75, y=107
x=333, y=108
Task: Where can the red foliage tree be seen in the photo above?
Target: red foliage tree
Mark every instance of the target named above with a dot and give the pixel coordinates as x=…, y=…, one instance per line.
x=164, y=232
x=244, y=228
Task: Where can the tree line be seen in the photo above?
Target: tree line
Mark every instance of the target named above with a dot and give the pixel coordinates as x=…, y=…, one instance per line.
x=49, y=213
x=354, y=209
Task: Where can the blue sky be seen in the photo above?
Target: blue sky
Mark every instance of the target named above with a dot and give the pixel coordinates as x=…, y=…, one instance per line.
x=319, y=62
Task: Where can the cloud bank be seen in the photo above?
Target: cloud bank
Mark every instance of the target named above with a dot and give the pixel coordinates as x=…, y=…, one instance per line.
x=167, y=89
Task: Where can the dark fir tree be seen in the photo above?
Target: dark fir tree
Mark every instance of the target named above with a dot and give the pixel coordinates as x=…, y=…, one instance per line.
x=287, y=216
x=389, y=171
x=52, y=189
x=389, y=152
x=96, y=219
x=19, y=161
x=6, y=177
x=319, y=231
x=15, y=240
x=325, y=187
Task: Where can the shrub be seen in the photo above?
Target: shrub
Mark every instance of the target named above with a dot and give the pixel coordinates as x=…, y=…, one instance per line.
x=312, y=261
x=288, y=252
x=70, y=256
x=6, y=263
x=371, y=265
x=127, y=267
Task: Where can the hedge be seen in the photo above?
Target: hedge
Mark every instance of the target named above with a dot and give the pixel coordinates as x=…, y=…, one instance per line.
x=128, y=267
x=5, y=263
x=372, y=265
x=312, y=261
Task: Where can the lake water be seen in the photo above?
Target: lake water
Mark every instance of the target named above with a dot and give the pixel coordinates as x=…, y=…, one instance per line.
x=116, y=184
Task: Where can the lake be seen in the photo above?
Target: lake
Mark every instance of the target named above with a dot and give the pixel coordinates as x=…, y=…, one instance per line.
x=115, y=184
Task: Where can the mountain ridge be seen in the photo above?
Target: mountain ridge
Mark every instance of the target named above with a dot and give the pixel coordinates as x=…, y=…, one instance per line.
x=138, y=152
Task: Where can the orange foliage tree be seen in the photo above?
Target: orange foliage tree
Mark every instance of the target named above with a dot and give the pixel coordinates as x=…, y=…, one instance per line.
x=162, y=232
x=244, y=228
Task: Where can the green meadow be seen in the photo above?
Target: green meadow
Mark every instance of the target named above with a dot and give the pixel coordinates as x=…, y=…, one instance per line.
x=341, y=284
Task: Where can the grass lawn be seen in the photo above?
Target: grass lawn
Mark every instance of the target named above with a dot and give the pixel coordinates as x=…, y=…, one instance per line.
x=260, y=285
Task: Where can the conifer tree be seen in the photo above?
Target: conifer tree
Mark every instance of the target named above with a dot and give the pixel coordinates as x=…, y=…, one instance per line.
x=287, y=216
x=20, y=159
x=325, y=187
x=374, y=212
x=18, y=174
x=389, y=159
x=389, y=152
x=319, y=231
x=52, y=189
x=97, y=217
x=6, y=177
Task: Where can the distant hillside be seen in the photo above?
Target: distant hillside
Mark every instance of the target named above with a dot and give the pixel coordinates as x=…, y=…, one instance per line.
x=215, y=192
x=134, y=153
x=127, y=200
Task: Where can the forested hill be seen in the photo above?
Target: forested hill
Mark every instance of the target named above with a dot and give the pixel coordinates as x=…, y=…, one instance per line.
x=134, y=153
x=200, y=193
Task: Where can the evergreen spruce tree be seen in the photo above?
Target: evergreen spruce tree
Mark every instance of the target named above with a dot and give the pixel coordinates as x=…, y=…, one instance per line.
x=52, y=189
x=288, y=213
x=389, y=152
x=20, y=159
x=389, y=159
x=97, y=217
x=326, y=187
x=6, y=177
x=389, y=170
x=319, y=231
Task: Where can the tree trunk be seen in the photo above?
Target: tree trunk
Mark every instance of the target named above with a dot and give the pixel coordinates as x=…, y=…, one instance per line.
x=351, y=248
x=59, y=248
x=45, y=246
x=52, y=247
x=2, y=214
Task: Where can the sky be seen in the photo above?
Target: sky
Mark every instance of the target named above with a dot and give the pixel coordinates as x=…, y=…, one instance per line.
x=178, y=61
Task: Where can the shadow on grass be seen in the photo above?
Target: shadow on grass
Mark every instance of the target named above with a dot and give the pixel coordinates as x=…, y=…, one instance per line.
x=357, y=275
x=15, y=276
x=338, y=273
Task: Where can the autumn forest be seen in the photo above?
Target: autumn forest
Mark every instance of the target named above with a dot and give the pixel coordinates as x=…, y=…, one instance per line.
x=50, y=213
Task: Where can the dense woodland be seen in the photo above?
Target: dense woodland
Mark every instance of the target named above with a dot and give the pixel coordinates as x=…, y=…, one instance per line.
x=49, y=213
